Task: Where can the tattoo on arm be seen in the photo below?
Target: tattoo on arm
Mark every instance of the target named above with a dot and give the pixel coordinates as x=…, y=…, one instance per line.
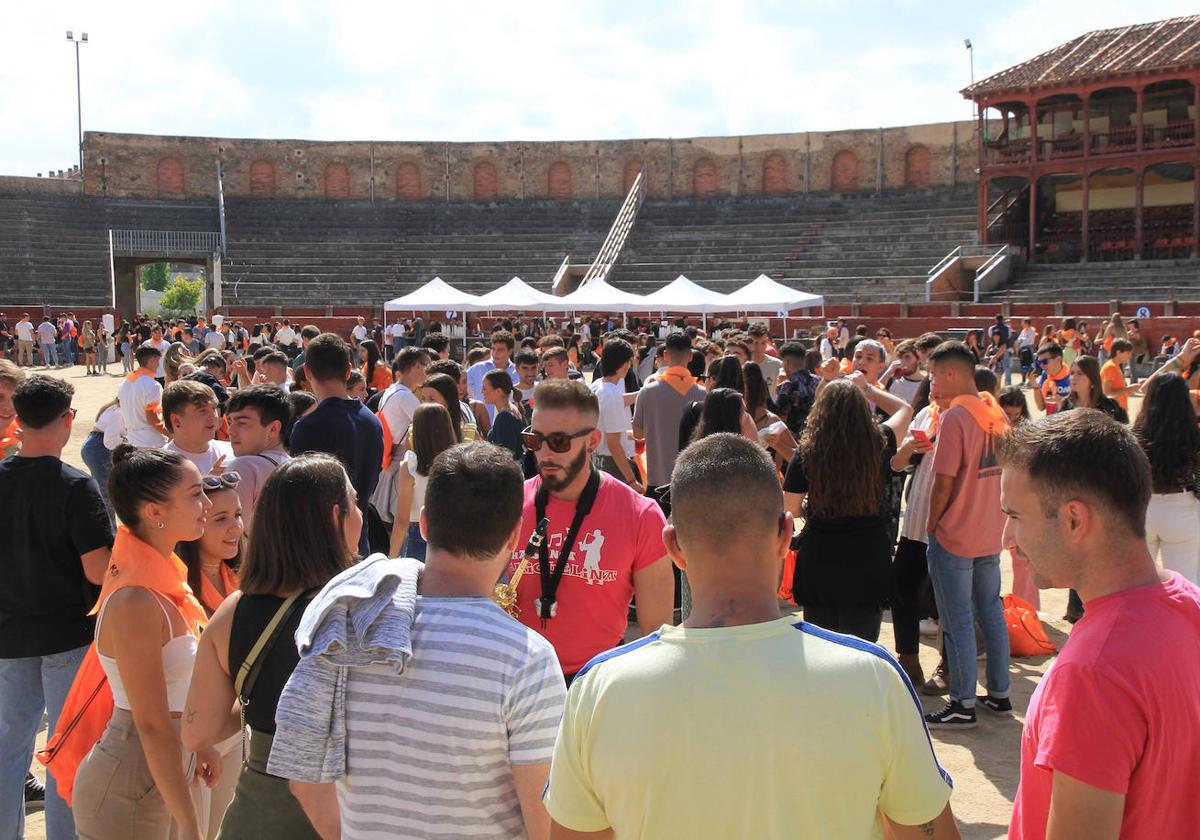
x=927, y=829
x=190, y=715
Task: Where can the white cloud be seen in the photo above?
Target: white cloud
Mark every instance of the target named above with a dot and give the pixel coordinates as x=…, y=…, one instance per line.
x=537, y=71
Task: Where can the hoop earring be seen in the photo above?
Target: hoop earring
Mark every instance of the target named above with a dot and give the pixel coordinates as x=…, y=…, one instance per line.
x=160, y=525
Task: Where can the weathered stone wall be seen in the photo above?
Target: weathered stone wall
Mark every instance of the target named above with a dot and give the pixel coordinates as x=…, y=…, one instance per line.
x=863, y=159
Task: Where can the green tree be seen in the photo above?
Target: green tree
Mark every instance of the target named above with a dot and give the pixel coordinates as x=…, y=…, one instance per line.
x=182, y=296
x=156, y=276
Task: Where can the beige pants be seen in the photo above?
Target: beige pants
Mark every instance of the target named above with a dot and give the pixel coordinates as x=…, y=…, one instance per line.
x=24, y=352
x=115, y=796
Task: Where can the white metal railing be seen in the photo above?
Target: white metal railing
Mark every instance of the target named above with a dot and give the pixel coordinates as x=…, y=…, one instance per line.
x=166, y=242
x=999, y=264
x=959, y=253
x=614, y=243
x=560, y=274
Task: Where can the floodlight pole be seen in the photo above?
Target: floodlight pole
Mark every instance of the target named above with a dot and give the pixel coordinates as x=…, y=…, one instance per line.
x=971, y=53
x=83, y=39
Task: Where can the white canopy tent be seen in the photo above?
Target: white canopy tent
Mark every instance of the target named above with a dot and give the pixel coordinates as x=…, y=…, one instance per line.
x=519, y=295
x=434, y=295
x=599, y=295
x=682, y=295
x=763, y=294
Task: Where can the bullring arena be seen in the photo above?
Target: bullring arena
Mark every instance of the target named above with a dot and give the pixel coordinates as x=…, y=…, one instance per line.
x=1075, y=194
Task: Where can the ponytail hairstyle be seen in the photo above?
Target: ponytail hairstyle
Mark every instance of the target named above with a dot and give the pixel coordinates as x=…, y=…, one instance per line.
x=141, y=476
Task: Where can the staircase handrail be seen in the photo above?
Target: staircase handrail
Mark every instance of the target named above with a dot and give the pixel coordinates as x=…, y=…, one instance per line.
x=614, y=242
x=562, y=271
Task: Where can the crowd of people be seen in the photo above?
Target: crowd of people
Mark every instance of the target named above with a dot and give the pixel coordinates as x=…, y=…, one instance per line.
x=271, y=609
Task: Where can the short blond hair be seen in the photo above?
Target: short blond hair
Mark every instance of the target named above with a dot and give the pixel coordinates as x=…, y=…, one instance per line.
x=11, y=374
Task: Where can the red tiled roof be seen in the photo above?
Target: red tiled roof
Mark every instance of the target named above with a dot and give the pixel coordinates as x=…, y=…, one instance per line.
x=1122, y=51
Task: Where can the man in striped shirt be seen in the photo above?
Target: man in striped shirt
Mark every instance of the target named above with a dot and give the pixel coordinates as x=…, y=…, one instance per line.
x=455, y=739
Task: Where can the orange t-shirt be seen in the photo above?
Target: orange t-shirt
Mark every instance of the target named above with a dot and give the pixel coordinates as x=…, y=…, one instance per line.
x=1111, y=375
x=381, y=380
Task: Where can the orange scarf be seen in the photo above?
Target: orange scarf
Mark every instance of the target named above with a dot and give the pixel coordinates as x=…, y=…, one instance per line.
x=209, y=596
x=135, y=375
x=935, y=418
x=135, y=563
x=678, y=378
x=9, y=438
x=985, y=411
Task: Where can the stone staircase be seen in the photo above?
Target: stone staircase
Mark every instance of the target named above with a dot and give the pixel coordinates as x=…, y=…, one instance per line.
x=1133, y=282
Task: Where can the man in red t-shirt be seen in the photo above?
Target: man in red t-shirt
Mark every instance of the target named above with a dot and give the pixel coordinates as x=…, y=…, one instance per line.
x=1111, y=745
x=616, y=545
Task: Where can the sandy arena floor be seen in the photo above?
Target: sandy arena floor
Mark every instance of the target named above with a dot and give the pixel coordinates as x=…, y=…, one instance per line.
x=984, y=763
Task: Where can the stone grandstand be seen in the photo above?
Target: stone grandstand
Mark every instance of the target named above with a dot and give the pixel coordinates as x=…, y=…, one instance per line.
x=303, y=253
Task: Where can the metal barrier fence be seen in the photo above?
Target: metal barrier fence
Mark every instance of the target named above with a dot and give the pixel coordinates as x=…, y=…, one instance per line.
x=166, y=242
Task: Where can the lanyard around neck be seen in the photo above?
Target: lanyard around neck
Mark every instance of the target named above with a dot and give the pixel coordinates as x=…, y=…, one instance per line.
x=547, y=607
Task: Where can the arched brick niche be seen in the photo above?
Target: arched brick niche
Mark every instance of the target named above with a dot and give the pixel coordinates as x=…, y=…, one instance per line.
x=704, y=178
x=916, y=167
x=262, y=179
x=845, y=171
x=558, y=180
x=408, y=181
x=775, y=174
x=486, y=186
x=337, y=180
x=632, y=168
x=169, y=177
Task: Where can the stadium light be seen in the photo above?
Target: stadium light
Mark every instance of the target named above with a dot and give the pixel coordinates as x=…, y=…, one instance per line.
x=971, y=52
x=83, y=39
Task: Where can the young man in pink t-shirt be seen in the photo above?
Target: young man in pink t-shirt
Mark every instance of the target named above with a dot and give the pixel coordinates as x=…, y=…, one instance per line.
x=1111, y=746
x=965, y=524
x=616, y=550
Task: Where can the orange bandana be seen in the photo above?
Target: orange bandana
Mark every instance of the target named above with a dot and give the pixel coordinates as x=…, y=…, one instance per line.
x=678, y=378
x=209, y=596
x=985, y=411
x=134, y=563
x=935, y=418
x=9, y=438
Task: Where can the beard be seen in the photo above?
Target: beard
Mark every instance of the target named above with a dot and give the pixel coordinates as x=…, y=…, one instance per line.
x=570, y=472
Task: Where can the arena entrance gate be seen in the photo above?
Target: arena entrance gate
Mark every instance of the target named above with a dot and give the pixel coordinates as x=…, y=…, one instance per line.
x=131, y=249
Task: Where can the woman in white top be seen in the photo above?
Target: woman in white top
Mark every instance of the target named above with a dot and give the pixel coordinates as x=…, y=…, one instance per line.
x=138, y=781
x=432, y=434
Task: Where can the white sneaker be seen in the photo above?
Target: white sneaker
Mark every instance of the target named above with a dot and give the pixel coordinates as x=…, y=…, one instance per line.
x=929, y=627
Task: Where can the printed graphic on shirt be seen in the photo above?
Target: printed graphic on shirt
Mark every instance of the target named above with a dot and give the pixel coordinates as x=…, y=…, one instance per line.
x=584, y=561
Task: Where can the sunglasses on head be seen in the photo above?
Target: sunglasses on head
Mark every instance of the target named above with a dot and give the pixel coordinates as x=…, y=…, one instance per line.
x=557, y=441
x=224, y=481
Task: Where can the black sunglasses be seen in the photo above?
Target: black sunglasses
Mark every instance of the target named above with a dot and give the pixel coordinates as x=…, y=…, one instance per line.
x=557, y=441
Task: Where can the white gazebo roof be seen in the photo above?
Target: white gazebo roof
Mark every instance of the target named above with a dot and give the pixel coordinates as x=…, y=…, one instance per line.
x=682, y=295
x=517, y=294
x=437, y=294
x=763, y=294
x=598, y=295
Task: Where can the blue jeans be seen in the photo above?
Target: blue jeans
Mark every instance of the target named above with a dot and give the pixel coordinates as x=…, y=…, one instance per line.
x=50, y=351
x=414, y=543
x=29, y=686
x=968, y=589
x=1007, y=369
x=126, y=357
x=99, y=462
x=68, y=352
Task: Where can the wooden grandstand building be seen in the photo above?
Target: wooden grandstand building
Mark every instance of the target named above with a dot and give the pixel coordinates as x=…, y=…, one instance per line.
x=1089, y=151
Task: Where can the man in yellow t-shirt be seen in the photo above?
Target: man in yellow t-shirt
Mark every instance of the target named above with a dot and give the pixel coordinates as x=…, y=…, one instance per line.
x=740, y=723
x=1112, y=377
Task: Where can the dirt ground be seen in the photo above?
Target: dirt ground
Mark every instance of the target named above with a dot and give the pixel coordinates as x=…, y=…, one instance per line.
x=984, y=763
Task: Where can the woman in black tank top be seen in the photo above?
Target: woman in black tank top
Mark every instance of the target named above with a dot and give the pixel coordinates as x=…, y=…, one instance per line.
x=306, y=530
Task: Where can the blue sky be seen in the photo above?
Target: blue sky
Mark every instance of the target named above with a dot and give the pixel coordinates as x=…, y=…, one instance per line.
x=468, y=71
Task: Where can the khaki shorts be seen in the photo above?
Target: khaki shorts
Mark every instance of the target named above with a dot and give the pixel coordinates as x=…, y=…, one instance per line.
x=115, y=796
